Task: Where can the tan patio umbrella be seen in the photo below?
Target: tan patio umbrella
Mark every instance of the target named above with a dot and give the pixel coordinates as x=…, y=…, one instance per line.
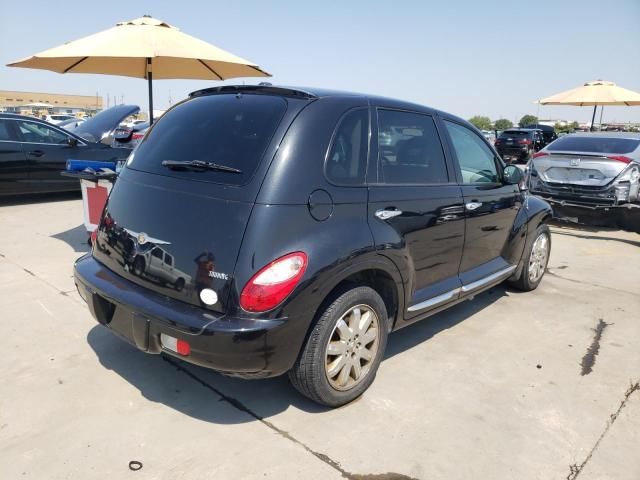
x=144, y=48
x=599, y=92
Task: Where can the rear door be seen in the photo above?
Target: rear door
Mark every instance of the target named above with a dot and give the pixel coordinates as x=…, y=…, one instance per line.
x=14, y=171
x=415, y=208
x=490, y=205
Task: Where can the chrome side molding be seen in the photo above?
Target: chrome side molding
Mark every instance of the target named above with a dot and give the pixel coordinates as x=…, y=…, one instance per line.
x=432, y=302
x=445, y=297
x=484, y=281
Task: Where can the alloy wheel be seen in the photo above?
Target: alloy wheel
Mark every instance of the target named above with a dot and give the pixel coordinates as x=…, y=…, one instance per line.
x=352, y=347
x=538, y=258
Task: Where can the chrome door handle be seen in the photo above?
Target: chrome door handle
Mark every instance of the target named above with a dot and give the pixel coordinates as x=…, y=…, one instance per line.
x=473, y=205
x=387, y=214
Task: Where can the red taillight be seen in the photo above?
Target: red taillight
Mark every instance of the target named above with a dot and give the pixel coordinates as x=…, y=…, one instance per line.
x=524, y=142
x=539, y=154
x=273, y=283
x=137, y=136
x=498, y=142
x=620, y=158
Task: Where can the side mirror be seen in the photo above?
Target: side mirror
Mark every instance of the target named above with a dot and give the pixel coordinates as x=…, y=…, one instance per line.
x=514, y=176
x=73, y=142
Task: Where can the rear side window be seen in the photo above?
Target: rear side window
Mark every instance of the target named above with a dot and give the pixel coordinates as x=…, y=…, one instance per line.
x=231, y=130
x=571, y=143
x=514, y=134
x=476, y=159
x=347, y=159
x=5, y=131
x=409, y=149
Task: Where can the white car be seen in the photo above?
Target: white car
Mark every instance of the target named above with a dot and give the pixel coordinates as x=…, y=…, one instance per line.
x=57, y=118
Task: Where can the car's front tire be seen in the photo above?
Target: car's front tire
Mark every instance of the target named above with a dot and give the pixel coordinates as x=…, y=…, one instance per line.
x=535, y=260
x=341, y=356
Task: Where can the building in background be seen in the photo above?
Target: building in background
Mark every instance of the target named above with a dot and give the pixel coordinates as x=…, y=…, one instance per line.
x=40, y=104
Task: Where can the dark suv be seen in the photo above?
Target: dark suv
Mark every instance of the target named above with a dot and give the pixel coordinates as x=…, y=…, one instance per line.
x=259, y=230
x=519, y=144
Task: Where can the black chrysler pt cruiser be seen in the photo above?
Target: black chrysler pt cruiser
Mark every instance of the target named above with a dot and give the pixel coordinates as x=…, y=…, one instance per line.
x=259, y=230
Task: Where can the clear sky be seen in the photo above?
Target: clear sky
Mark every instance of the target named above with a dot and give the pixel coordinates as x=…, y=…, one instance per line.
x=487, y=57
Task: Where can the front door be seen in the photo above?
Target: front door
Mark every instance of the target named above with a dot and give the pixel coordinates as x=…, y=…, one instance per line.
x=415, y=209
x=14, y=169
x=490, y=204
x=47, y=150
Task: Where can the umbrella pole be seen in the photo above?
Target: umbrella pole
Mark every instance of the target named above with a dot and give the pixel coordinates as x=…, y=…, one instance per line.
x=593, y=118
x=150, y=81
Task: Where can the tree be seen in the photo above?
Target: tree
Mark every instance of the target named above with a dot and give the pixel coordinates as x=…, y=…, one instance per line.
x=481, y=123
x=503, y=124
x=528, y=120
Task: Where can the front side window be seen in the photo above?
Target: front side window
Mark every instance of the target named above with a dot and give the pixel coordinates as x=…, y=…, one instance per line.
x=476, y=159
x=409, y=149
x=36, y=133
x=347, y=159
x=156, y=252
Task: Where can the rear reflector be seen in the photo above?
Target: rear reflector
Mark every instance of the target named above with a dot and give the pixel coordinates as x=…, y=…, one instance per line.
x=540, y=154
x=620, y=158
x=181, y=347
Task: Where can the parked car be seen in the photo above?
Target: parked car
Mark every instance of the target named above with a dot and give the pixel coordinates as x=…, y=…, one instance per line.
x=129, y=137
x=57, y=118
x=308, y=237
x=71, y=123
x=34, y=152
x=591, y=178
x=548, y=132
x=516, y=145
x=490, y=136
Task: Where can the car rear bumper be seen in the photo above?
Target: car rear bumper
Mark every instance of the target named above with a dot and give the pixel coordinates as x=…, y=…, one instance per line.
x=625, y=216
x=244, y=347
x=517, y=152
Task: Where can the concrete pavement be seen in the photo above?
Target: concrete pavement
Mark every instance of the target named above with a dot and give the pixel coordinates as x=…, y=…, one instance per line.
x=493, y=388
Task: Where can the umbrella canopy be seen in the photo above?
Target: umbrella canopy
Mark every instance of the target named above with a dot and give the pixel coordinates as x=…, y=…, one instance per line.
x=600, y=92
x=144, y=48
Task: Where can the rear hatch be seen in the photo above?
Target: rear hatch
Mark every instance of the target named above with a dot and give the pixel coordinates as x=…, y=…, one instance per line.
x=100, y=127
x=590, y=161
x=176, y=228
x=513, y=139
x=578, y=169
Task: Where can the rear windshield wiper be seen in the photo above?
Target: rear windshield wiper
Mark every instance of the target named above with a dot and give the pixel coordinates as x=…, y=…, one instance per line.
x=198, y=165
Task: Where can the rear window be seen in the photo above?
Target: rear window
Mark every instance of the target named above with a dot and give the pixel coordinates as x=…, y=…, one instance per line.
x=231, y=130
x=514, y=133
x=574, y=143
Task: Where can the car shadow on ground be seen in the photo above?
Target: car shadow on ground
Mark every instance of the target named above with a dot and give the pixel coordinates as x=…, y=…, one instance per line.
x=200, y=393
x=76, y=238
x=11, y=200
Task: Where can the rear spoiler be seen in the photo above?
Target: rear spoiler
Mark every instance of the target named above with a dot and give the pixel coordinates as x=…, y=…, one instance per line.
x=266, y=89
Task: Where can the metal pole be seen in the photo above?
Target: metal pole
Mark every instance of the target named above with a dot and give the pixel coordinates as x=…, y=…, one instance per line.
x=593, y=117
x=149, y=80
x=601, y=111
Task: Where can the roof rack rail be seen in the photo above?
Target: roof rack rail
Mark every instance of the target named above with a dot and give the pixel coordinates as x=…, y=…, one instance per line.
x=288, y=92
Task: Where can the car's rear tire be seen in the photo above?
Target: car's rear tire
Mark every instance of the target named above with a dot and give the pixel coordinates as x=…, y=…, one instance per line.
x=341, y=356
x=535, y=260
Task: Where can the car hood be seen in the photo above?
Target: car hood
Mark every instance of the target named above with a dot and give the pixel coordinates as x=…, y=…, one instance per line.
x=99, y=127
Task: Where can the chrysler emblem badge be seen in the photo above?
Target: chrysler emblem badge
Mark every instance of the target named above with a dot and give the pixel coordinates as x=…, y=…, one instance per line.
x=143, y=238
x=575, y=162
